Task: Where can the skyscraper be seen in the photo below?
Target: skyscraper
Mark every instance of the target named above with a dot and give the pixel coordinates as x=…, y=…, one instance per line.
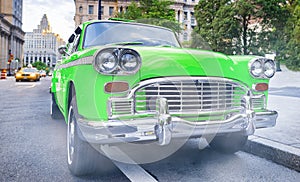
x=11, y=34
x=42, y=44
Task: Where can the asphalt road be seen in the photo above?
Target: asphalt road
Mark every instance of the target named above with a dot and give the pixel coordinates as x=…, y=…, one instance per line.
x=33, y=148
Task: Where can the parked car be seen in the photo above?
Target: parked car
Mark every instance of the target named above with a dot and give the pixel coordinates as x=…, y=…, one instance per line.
x=42, y=73
x=28, y=74
x=125, y=82
x=50, y=73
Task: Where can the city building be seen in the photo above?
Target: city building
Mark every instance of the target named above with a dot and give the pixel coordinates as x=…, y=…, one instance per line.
x=184, y=12
x=42, y=44
x=11, y=35
x=88, y=10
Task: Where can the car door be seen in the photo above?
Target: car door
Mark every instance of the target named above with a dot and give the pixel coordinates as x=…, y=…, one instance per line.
x=63, y=71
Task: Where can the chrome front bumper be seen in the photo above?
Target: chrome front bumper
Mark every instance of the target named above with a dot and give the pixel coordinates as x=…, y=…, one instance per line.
x=164, y=127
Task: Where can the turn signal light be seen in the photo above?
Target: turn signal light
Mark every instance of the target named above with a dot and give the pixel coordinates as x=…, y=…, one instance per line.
x=261, y=87
x=115, y=87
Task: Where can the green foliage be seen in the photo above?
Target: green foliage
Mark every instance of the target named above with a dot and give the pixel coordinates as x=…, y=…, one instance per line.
x=197, y=42
x=293, y=48
x=158, y=9
x=39, y=65
x=242, y=26
x=133, y=12
x=155, y=12
x=205, y=13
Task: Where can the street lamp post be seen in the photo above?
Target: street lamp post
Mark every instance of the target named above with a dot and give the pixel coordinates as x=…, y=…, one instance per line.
x=9, y=74
x=278, y=65
x=99, y=9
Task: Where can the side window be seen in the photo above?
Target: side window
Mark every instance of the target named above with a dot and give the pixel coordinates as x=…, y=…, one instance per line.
x=76, y=43
x=70, y=44
x=73, y=41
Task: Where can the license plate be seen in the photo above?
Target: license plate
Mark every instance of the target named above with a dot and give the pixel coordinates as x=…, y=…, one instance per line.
x=25, y=77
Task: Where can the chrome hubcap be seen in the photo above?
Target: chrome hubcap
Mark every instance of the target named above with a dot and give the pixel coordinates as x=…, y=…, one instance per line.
x=70, y=135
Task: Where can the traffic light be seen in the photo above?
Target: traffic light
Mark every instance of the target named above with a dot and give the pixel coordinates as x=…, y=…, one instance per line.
x=11, y=57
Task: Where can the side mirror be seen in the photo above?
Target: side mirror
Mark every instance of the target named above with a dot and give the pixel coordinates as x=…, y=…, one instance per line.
x=63, y=50
x=78, y=31
x=71, y=39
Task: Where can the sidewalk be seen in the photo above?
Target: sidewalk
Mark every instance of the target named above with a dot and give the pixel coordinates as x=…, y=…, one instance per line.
x=281, y=143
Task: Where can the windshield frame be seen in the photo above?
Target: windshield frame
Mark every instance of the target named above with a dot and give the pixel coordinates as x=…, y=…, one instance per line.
x=176, y=41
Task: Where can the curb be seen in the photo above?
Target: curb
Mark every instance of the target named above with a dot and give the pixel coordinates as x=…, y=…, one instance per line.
x=277, y=152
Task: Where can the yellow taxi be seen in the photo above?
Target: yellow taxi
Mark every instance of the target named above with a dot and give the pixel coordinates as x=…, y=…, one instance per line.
x=29, y=74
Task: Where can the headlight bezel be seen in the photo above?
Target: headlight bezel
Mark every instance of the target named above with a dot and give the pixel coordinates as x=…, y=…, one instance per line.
x=262, y=73
x=119, y=68
x=134, y=55
x=273, y=68
x=97, y=63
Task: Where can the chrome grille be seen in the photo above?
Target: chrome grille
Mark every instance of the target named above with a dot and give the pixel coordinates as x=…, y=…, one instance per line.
x=258, y=103
x=119, y=107
x=190, y=95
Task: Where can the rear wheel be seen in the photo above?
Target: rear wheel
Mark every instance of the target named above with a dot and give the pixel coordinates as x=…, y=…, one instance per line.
x=82, y=157
x=228, y=143
x=54, y=110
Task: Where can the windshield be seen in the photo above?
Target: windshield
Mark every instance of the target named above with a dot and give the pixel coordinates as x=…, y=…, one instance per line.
x=29, y=70
x=104, y=33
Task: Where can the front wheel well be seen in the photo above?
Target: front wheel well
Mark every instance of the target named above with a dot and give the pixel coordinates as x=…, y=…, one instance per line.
x=70, y=94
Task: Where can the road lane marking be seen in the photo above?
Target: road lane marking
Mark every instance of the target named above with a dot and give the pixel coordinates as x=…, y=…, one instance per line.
x=27, y=85
x=132, y=171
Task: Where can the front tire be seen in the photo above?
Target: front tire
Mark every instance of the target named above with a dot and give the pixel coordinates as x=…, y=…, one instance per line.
x=82, y=157
x=228, y=143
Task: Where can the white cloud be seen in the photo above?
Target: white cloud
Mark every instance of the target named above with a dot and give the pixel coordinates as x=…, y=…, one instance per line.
x=60, y=15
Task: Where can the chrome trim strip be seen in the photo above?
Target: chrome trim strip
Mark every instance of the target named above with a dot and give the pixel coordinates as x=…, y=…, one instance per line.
x=164, y=79
x=81, y=61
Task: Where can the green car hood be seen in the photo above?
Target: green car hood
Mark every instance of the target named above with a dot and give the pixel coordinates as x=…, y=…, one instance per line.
x=162, y=61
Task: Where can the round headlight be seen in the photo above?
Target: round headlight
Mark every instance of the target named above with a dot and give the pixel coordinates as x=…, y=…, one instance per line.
x=256, y=68
x=269, y=68
x=105, y=62
x=130, y=61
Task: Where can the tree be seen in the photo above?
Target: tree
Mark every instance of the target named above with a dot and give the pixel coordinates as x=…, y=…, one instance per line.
x=206, y=14
x=155, y=12
x=241, y=26
x=39, y=65
x=227, y=34
x=293, y=48
x=132, y=13
x=158, y=9
x=275, y=15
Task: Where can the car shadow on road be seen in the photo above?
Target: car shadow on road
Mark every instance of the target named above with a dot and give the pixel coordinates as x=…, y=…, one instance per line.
x=286, y=91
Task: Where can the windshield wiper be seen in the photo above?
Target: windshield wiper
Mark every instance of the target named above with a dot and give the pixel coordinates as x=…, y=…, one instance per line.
x=128, y=43
x=165, y=45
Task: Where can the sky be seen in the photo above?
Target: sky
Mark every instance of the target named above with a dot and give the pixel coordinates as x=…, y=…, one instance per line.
x=60, y=14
